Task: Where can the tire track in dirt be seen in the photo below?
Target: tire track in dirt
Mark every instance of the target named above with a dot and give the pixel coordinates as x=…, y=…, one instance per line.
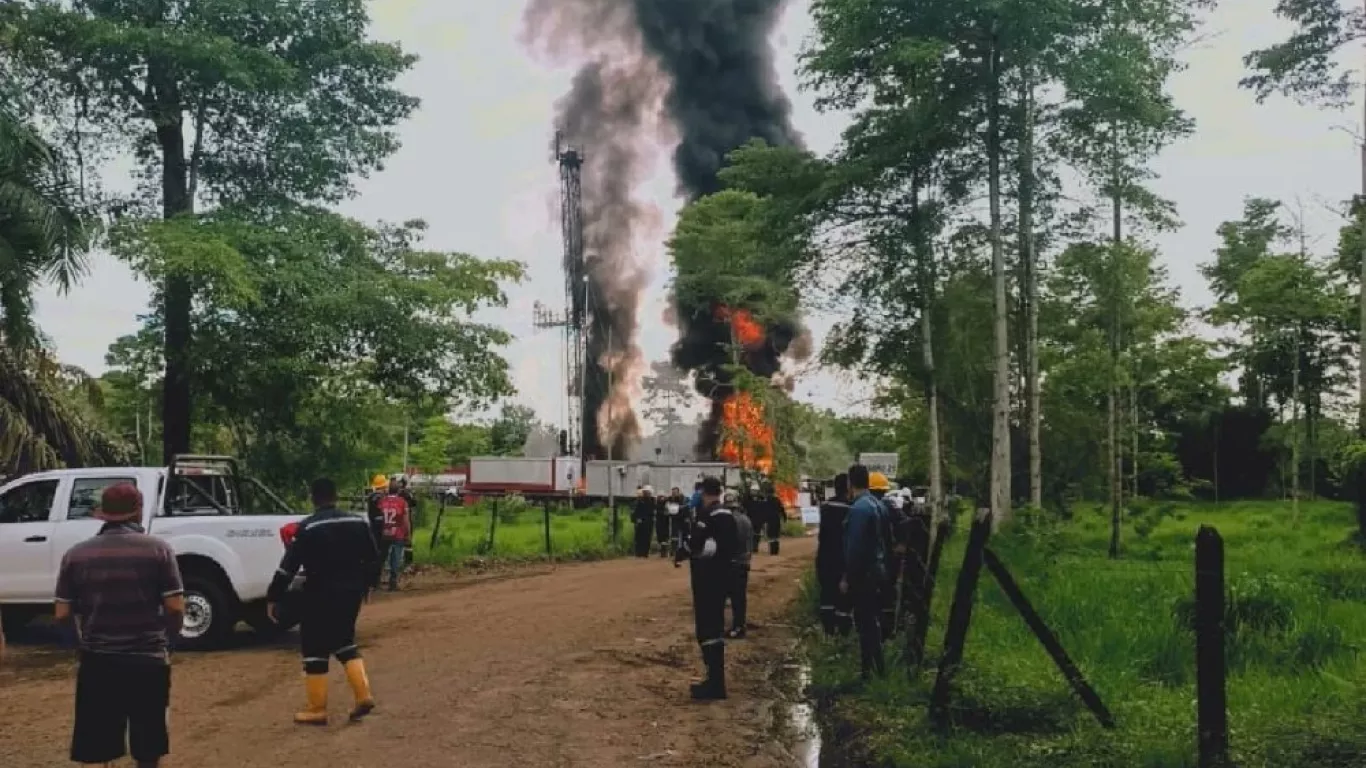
x=578, y=666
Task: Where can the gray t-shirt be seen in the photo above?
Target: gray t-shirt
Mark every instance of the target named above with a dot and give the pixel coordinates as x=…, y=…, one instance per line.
x=117, y=584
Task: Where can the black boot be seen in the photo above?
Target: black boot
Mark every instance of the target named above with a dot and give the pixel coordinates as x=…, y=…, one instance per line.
x=827, y=615
x=773, y=547
x=714, y=687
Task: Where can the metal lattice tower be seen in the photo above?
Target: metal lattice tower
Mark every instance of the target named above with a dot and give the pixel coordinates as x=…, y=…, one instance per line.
x=574, y=319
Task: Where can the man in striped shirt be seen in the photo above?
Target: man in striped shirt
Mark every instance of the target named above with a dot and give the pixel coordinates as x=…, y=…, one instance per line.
x=123, y=590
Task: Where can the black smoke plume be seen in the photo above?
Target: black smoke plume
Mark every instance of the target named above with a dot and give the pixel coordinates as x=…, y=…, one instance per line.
x=723, y=92
x=720, y=90
x=611, y=116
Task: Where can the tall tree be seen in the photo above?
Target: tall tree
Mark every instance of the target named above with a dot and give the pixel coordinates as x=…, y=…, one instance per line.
x=220, y=101
x=316, y=329
x=1305, y=67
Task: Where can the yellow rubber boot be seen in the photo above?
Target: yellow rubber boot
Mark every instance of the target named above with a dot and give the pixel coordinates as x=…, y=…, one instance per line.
x=360, y=687
x=316, y=713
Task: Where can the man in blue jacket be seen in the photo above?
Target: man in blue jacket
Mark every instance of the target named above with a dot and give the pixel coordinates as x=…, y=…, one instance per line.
x=864, y=568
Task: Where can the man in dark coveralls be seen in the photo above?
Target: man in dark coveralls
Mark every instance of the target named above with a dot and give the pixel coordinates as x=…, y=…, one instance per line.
x=835, y=609
x=713, y=545
x=340, y=558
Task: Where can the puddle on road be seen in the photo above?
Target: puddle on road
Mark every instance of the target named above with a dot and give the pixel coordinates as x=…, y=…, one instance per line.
x=802, y=716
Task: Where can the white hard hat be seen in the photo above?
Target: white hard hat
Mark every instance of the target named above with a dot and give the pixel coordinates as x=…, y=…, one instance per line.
x=647, y=489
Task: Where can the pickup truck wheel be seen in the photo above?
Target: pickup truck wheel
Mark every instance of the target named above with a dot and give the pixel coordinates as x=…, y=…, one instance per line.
x=209, y=618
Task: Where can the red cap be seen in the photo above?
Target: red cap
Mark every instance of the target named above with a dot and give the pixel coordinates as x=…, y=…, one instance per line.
x=121, y=500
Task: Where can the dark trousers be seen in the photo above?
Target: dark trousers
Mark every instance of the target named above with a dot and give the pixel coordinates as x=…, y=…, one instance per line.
x=662, y=534
x=887, y=597
x=680, y=530
x=642, y=540
x=775, y=531
x=121, y=704
x=709, y=588
x=835, y=610
x=866, y=609
x=739, y=595
x=328, y=629
x=758, y=535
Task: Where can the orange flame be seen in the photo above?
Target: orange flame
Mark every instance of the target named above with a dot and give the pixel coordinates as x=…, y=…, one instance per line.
x=747, y=437
x=787, y=494
x=748, y=332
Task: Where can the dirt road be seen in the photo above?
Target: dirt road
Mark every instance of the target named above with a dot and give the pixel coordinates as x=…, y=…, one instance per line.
x=581, y=665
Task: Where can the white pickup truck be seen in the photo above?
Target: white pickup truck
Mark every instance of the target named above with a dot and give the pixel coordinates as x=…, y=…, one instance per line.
x=211, y=515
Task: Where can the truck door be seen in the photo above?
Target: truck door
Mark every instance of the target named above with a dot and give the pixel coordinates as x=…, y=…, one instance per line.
x=79, y=523
x=26, y=529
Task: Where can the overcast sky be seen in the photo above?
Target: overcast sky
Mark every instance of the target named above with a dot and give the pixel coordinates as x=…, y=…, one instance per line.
x=476, y=165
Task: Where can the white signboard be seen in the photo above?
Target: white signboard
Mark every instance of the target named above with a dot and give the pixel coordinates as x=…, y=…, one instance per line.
x=879, y=462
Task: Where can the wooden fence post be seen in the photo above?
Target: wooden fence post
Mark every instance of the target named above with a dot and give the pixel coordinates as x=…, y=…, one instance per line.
x=960, y=616
x=493, y=525
x=1048, y=639
x=436, y=529
x=547, y=529
x=914, y=609
x=1210, y=671
x=941, y=535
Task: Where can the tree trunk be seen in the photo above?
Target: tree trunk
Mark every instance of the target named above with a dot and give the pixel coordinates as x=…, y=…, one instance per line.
x=1116, y=457
x=1360, y=473
x=1029, y=290
x=1000, y=426
x=1311, y=423
x=925, y=268
x=1134, y=425
x=177, y=294
x=1295, y=435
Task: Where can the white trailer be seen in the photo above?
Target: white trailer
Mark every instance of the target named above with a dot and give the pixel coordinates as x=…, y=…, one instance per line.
x=626, y=477
x=514, y=474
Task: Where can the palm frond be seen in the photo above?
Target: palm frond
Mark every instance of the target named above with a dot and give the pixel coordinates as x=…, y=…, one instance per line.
x=37, y=425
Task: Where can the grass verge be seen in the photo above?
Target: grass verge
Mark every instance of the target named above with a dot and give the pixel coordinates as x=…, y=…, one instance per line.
x=1297, y=622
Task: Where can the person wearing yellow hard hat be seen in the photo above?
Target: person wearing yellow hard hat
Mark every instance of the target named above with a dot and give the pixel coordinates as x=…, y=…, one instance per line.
x=379, y=487
x=865, y=568
x=891, y=527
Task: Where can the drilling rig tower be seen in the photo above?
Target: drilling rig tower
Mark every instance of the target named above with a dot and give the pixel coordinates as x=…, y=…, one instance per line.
x=574, y=319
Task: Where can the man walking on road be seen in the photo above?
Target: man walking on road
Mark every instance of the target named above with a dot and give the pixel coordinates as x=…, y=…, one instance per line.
x=379, y=487
x=739, y=581
x=680, y=520
x=663, y=525
x=773, y=519
x=123, y=590
x=643, y=518
x=339, y=557
x=834, y=607
x=864, y=568
x=396, y=533
x=713, y=546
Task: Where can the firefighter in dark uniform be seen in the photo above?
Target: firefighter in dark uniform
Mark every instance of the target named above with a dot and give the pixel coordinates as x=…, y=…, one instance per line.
x=341, y=562
x=835, y=609
x=773, y=520
x=680, y=521
x=757, y=511
x=379, y=487
x=713, y=544
x=663, y=525
x=643, y=516
x=894, y=529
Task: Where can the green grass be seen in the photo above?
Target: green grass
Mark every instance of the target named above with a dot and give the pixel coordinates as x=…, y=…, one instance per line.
x=1297, y=677
x=519, y=534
